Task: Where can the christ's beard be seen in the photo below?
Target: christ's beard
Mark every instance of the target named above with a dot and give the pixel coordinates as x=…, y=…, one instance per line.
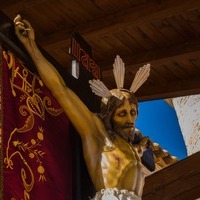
x=126, y=132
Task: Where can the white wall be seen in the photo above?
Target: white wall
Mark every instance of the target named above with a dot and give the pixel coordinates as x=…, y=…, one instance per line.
x=188, y=113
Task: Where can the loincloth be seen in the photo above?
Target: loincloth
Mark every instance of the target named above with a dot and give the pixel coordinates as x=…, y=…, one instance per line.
x=115, y=194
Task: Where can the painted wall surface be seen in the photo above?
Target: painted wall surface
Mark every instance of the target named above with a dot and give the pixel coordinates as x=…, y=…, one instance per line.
x=188, y=112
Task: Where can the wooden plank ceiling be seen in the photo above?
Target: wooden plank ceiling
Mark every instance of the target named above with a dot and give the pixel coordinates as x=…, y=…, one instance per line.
x=164, y=33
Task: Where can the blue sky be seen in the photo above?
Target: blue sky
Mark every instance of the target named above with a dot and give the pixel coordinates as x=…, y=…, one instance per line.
x=158, y=120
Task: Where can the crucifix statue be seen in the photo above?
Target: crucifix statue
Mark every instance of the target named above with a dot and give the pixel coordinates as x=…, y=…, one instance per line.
x=113, y=160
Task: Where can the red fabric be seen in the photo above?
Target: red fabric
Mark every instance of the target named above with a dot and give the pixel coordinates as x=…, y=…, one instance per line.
x=37, y=162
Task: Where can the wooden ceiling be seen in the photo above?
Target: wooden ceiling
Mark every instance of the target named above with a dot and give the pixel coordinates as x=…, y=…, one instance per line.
x=164, y=33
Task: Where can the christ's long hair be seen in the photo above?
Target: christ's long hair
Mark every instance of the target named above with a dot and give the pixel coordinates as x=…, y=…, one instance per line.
x=107, y=110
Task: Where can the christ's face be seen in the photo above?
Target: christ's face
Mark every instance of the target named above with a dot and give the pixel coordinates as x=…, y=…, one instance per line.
x=124, y=119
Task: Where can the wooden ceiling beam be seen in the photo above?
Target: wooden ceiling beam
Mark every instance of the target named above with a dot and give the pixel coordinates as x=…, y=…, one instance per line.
x=169, y=90
x=135, y=16
x=158, y=56
x=15, y=6
x=164, y=90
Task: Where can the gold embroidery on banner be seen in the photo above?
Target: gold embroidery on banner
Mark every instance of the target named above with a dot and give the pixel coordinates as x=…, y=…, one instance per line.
x=1, y=126
x=34, y=153
x=31, y=105
x=34, y=102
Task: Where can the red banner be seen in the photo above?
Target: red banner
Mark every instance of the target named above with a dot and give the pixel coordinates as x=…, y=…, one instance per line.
x=37, y=162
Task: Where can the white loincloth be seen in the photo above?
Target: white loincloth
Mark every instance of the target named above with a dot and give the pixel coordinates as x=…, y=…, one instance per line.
x=115, y=194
